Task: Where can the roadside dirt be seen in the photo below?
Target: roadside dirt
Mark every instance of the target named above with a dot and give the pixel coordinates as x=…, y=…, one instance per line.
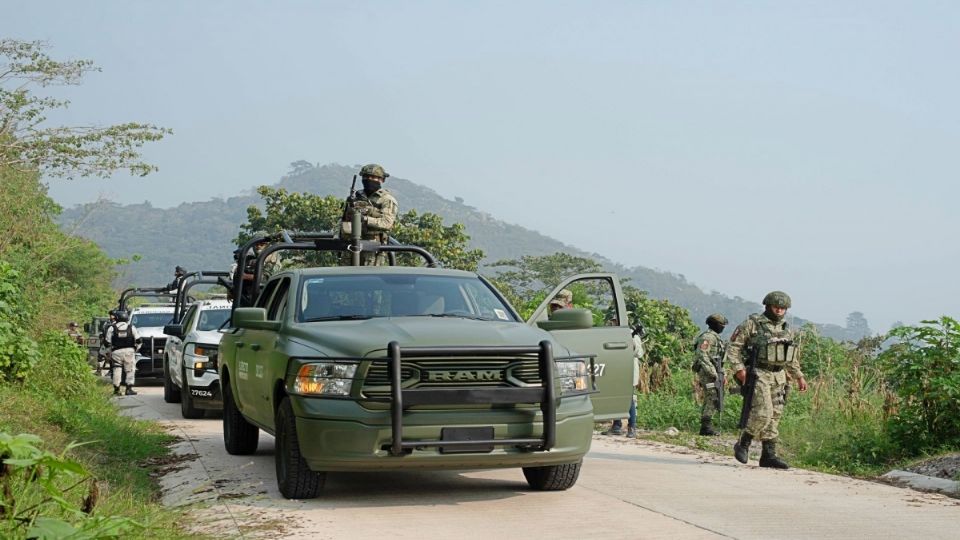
x=947, y=467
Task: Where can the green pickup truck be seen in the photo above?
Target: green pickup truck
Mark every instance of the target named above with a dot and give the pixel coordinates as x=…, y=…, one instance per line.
x=363, y=368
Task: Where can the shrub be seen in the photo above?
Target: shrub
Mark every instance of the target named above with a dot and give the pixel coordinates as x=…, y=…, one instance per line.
x=18, y=352
x=923, y=368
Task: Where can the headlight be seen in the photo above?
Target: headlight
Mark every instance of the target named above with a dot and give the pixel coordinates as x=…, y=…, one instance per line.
x=325, y=379
x=205, y=357
x=574, y=376
x=200, y=349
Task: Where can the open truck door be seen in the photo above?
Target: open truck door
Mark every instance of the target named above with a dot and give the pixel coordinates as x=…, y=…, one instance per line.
x=609, y=338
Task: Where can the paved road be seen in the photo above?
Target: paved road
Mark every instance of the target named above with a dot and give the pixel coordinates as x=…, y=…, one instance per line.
x=627, y=489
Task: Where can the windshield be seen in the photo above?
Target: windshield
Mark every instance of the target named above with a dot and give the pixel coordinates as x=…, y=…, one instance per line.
x=142, y=320
x=398, y=295
x=212, y=319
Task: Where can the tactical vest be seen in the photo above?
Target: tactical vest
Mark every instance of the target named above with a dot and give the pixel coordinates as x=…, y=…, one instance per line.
x=717, y=350
x=775, y=346
x=122, y=337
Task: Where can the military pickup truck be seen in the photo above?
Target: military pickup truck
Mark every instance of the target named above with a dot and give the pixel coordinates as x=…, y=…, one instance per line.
x=367, y=368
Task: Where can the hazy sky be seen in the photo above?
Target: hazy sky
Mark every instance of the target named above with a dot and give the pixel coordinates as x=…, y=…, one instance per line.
x=805, y=146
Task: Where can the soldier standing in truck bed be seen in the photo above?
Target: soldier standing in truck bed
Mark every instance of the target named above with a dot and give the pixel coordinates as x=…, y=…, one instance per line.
x=378, y=209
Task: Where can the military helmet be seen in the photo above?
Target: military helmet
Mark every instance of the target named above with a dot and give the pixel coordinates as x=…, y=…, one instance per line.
x=563, y=298
x=73, y=324
x=777, y=299
x=717, y=318
x=374, y=170
x=179, y=270
x=122, y=315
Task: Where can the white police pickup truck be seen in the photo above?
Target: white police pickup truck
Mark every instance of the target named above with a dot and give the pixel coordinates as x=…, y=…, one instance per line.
x=149, y=320
x=190, y=363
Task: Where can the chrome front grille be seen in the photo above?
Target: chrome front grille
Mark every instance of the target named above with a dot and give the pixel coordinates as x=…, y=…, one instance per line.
x=466, y=372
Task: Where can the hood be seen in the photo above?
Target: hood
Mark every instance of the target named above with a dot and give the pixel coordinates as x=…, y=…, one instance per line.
x=151, y=332
x=209, y=337
x=360, y=338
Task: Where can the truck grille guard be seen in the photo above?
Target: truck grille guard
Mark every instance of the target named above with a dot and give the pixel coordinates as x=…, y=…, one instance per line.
x=401, y=398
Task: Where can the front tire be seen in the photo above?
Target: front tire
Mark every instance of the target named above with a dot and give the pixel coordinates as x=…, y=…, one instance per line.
x=240, y=437
x=294, y=477
x=187, y=410
x=553, y=477
x=171, y=394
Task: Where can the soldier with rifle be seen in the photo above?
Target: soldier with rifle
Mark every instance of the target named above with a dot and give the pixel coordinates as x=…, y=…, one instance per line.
x=771, y=354
x=708, y=365
x=378, y=209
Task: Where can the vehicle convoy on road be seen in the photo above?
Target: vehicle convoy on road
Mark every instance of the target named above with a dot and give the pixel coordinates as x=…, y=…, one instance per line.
x=365, y=368
x=190, y=357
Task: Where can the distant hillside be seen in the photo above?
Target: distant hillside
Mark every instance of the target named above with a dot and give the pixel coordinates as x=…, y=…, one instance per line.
x=200, y=235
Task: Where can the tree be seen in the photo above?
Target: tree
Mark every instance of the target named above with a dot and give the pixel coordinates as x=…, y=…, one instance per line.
x=857, y=326
x=522, y=279
x=27, y=145
x=308, y=212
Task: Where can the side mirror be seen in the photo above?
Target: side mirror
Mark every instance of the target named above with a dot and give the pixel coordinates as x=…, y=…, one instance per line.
x=174, y=330
x=253, y=318
x=568, y=319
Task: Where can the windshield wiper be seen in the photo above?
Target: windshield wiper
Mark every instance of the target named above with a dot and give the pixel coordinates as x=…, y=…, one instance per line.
x=458, y=316
x=340, y=318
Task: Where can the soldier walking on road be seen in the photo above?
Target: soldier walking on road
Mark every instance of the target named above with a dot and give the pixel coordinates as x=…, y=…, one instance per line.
x=123, y=340
x=379, y=211
x=765, y=342
x=708, y=365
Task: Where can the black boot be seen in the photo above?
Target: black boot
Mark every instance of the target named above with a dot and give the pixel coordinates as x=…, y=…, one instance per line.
x=706, y=427
x=742, y=447
x=130, y=391
x=768, y=457
x=116, y=390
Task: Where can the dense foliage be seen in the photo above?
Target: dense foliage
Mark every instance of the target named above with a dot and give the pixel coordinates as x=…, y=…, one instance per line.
x=47, y=278
x=923, y=368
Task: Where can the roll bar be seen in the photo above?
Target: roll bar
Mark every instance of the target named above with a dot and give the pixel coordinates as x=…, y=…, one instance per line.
x=321, y=242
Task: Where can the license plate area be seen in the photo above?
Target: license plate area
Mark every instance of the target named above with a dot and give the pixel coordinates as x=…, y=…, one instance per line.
x=463, y=434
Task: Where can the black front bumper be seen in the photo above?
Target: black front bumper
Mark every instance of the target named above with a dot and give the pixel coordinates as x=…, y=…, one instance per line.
x=207, y=397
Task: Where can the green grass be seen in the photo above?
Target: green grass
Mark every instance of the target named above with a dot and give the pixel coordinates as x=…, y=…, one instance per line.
x=830, y=428
x=63, y=402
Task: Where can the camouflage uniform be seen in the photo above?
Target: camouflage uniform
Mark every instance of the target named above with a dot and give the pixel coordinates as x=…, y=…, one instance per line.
x=774, y=362
x=708, y=346
x=379, y=211
x=75, y=335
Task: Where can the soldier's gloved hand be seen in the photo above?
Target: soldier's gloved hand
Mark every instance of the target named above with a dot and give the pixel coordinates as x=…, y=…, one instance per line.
x=741, y=375
x=374, y=212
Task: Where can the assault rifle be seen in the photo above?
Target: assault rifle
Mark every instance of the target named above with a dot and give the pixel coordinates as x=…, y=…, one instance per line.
x=749, y=386
x=348, y=203
x=721, y=382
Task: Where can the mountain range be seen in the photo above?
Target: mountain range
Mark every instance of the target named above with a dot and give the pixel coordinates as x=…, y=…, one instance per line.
x=200, y=235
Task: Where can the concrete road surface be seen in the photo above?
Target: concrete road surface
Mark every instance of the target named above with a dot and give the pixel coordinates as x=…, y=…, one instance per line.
x=627, y=489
